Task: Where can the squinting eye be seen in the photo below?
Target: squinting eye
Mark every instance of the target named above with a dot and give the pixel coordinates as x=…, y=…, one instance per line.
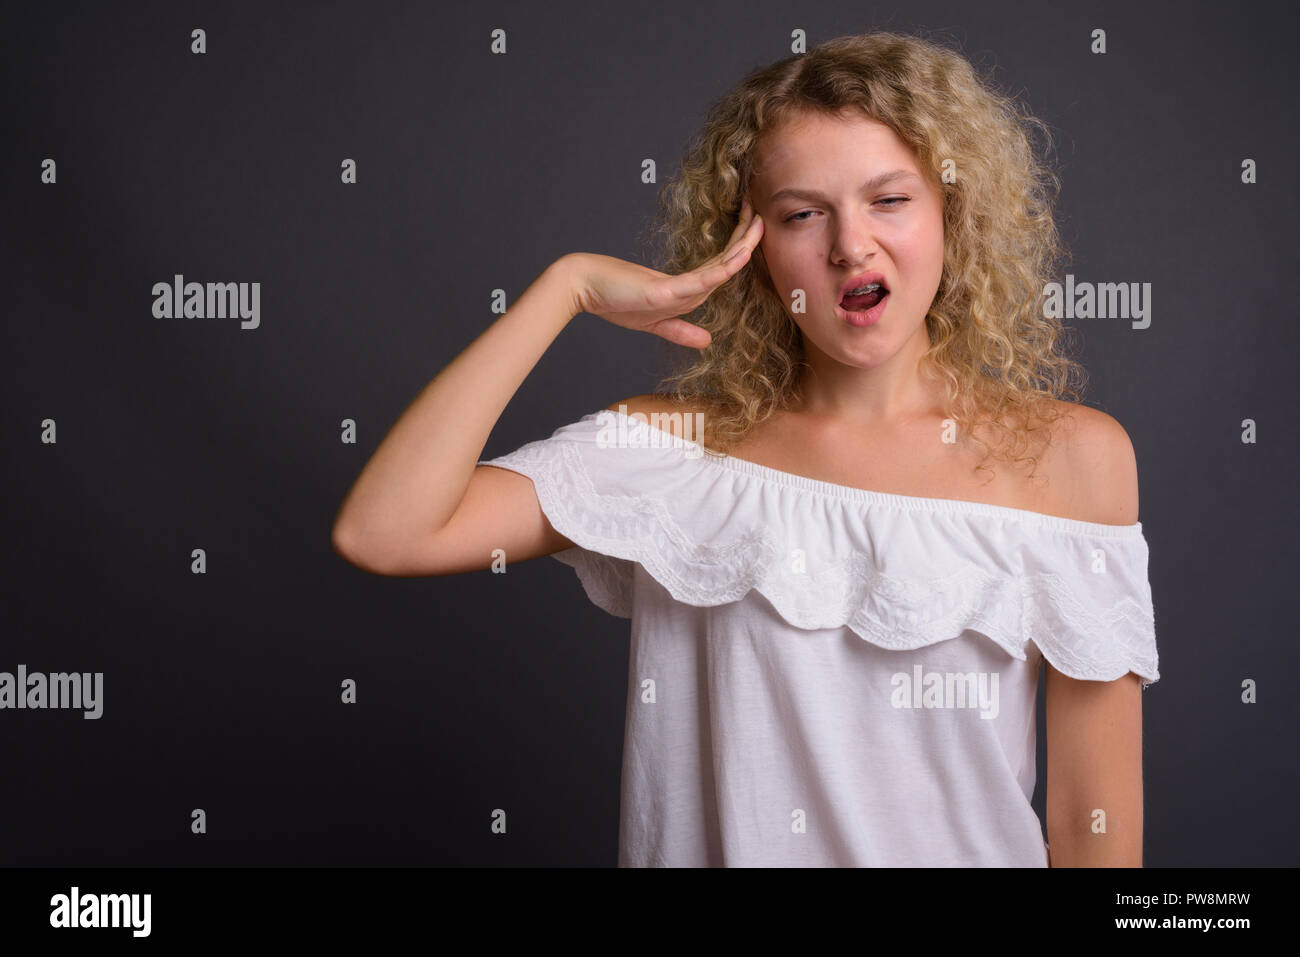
x=891, y=201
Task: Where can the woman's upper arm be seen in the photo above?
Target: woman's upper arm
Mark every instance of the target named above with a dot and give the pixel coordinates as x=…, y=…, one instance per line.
x=499, y=510
x=1094, y=770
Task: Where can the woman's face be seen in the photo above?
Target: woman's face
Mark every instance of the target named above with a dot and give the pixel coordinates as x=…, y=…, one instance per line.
x=822, y=227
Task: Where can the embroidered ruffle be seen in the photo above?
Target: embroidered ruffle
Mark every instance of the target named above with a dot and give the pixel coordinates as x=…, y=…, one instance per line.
x=901, y=572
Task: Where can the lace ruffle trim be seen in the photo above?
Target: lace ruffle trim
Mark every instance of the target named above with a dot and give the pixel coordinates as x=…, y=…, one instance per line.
x=613, y=531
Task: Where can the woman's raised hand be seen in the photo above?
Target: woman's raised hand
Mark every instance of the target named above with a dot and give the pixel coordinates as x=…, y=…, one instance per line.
x=635, y=297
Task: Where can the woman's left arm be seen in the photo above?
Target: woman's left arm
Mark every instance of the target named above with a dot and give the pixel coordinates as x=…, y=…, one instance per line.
x=1094, y=771
x=1094, y=728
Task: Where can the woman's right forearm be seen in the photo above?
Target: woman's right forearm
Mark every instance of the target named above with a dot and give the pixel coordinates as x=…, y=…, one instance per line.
x=418, y=475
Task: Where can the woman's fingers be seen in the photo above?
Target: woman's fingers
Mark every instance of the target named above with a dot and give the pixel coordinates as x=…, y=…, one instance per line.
x=746, y=242
x=683, y=333
x=715, y=273
x=753, y=233
x=703, y=279
x=738, y=235
x=685, y=291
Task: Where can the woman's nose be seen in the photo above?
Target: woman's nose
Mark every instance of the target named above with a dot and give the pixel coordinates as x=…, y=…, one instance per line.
x=853, y=240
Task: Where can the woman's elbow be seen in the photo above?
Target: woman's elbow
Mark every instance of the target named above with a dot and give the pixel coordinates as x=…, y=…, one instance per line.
x=348, y=545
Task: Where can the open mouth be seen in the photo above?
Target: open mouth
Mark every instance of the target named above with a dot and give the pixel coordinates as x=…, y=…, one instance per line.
x=864, y=297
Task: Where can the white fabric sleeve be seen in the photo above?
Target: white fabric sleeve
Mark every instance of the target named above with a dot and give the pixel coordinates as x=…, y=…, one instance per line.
x=901, y=572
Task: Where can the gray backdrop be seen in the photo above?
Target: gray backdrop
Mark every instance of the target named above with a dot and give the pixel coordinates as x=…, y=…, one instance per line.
x=221, y=690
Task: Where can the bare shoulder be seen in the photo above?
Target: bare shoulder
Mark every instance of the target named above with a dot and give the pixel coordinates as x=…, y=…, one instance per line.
x=661, y=411
x=1094, y=458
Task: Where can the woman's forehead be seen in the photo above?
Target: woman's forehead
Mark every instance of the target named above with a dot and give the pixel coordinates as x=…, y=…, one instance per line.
x=798, y=148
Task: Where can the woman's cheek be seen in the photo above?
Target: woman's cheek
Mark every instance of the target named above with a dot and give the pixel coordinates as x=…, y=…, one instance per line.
x=782, y=282
x=788, y=284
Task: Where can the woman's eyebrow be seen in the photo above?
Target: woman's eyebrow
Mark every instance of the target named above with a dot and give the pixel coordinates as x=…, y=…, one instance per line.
x=882, y=179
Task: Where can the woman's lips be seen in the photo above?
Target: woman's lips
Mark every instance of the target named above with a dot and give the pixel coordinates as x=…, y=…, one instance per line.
x=868, y=318
x=861, y=280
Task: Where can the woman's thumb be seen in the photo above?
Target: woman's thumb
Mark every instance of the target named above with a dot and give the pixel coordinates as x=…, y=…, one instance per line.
x=683, y=333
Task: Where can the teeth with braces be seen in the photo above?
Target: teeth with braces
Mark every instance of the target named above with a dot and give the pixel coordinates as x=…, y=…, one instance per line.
x=863, y=290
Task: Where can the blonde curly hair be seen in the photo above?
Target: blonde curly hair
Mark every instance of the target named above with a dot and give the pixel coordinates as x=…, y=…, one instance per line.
x=991, y=344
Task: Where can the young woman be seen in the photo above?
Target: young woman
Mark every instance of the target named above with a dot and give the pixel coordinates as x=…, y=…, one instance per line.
x=864, y=518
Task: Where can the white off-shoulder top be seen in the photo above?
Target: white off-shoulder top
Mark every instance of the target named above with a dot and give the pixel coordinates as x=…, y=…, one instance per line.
x=828, y=676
